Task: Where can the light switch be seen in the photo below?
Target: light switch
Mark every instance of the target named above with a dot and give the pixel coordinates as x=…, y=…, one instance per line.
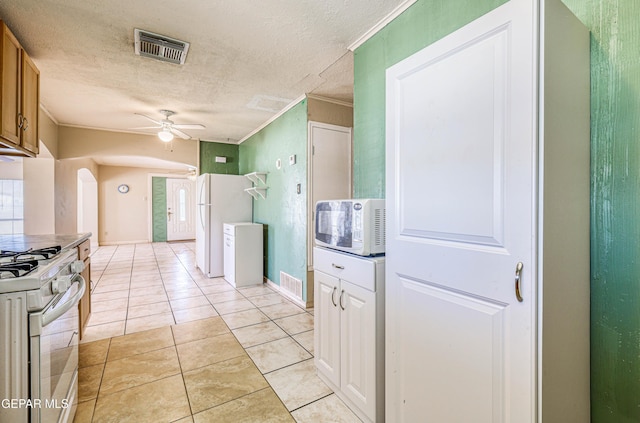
x=292, y=159
x=299, y=188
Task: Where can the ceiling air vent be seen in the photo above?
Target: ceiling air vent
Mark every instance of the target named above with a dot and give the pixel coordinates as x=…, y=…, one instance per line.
x=160, y=47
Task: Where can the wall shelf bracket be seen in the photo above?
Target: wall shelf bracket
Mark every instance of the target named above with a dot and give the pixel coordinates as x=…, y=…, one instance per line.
x=257, y=177
x=255, y=192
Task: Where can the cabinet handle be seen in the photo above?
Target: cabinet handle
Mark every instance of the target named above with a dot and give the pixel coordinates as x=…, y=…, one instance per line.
x=20, y=120
x=25, y=125
x=341, y=295
x=333, y=296
x=337, y=266
x=519, y=267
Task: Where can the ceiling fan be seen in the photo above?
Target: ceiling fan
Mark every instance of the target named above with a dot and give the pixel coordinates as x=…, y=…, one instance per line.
x=167, y=128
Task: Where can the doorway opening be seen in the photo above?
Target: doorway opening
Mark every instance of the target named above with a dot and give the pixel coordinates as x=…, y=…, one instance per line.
x=88, y=205
x=172, y=209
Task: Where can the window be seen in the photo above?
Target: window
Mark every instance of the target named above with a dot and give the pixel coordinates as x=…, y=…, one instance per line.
x=182, y=213
x=11, y=207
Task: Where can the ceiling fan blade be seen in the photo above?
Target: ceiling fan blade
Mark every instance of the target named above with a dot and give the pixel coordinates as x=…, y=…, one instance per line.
x=180, y=133
x=147, y=127
x=189, y=126
x=151, y=119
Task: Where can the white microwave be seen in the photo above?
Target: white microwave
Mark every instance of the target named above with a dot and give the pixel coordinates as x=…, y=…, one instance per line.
x=355, y=226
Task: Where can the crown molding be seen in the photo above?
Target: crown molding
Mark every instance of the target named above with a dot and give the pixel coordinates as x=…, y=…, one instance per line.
x=376, y=28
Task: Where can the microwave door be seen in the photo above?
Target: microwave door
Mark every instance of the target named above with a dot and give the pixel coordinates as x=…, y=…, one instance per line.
x=333, y=224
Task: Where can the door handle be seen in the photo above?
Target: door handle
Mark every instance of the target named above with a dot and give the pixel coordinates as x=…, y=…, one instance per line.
x=169, y=215
x=519, y=267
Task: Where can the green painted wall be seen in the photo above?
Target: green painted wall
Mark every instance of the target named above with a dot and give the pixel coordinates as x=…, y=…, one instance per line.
x=159, y=208
x=615, y=207
x=284, y=211
x=615, y=126
x=422, y=24
x=208, y=153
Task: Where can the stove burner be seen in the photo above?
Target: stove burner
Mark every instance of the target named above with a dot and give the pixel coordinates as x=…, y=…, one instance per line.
x=29, y=255
x=17, y=269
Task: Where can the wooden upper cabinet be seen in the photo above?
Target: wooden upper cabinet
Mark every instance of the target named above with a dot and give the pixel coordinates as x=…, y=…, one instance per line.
x=20, y=96
x=10, y=86
x=30, y=104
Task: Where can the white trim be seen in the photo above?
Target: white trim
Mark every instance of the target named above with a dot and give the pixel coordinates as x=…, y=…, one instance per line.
x=274, y=117
x=285, y=294
x=310, y=205
x=141, y=241
x=330, y=100
x=150, y=198
x=381, y=24
x=48, y=113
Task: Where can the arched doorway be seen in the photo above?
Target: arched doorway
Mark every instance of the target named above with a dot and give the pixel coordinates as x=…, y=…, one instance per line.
x=88, y=205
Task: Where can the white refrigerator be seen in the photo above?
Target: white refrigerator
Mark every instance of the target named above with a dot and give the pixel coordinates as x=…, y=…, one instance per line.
x=220, y=198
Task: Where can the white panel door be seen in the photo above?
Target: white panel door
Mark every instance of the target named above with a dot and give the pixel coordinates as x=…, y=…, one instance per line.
x=181, y=208
x=329, y=170
x=460, y=194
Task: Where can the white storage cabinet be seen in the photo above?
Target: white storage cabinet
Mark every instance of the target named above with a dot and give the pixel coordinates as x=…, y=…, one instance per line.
x=243, y=254
x=349, y=329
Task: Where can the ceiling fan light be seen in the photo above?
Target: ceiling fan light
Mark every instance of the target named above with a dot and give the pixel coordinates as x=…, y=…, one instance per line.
x=165, y=135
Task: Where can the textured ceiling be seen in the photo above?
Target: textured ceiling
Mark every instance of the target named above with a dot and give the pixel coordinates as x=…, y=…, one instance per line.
x=246, y=61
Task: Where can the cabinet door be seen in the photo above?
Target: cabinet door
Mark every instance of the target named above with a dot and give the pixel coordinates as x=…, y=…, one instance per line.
x=84, y=306
x=327, y=326
x=10, y=87
x=358, y=346
x=30, y=104
x=230, y=259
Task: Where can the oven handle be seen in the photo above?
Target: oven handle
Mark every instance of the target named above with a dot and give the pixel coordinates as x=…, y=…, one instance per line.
x=66, y=306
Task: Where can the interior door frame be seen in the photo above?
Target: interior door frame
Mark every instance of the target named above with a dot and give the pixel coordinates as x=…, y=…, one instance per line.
x=149, y=198
x=310, y=204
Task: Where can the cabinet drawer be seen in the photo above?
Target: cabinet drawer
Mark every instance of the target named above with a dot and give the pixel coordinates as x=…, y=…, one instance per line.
x=359, y=271
x=84, y=250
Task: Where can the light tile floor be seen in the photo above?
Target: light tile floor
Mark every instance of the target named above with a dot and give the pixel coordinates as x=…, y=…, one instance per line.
x=166, y=344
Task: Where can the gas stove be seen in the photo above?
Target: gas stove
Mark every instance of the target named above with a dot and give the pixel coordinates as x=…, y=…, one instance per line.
x=39, y=330
x=37, y=271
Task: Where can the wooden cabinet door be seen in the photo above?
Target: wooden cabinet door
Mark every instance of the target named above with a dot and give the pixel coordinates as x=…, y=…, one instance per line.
x=327, y=326
x=358, y=346
x=84, y=305
x=10, y=87
x=30, y=104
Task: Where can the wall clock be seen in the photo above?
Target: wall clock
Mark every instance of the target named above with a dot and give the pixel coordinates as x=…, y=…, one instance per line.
x=123, y=188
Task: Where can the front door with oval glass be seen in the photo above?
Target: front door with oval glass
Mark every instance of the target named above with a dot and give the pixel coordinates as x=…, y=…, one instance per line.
x=180, y=209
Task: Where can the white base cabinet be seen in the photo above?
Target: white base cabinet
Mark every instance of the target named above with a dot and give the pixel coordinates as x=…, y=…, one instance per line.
x=243, y=254
x=349, y=329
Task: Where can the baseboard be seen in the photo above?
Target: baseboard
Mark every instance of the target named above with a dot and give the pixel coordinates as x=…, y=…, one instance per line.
x=142, y=241
x=284, y=293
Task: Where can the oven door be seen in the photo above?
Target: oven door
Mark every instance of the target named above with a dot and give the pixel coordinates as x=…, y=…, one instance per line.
x=54, y=356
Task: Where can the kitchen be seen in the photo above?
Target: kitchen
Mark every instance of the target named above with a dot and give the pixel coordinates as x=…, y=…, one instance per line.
x=613, y=115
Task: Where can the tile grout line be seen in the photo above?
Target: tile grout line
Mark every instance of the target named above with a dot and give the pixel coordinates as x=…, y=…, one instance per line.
x=244, y=296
